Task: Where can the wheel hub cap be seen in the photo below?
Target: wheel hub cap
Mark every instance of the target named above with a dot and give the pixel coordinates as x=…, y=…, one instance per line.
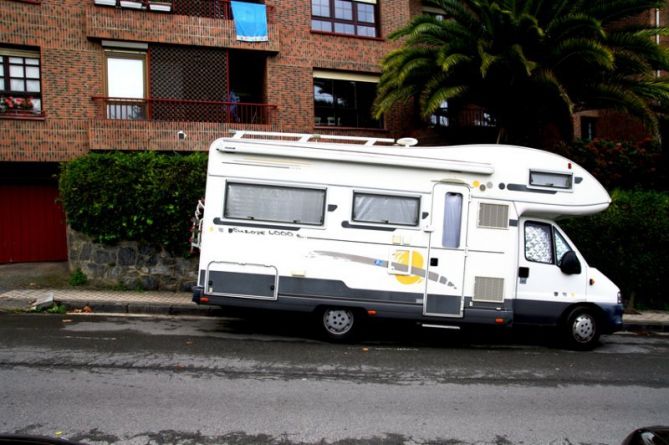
x=338, y=321
x=583, y=328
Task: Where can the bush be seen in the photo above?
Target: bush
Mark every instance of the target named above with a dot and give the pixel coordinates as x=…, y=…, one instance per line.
x=623, y=165
x=147, y=197
x=78, y=278
x=629, y=243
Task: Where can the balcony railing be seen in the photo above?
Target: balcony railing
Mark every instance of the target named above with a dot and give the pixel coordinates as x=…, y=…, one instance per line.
x=155, y=109
x=217, y=9
x=463, y=118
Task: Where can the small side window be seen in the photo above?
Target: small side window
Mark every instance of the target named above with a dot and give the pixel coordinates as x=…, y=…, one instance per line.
x=561, y=246
x=386, y=209
x=552, y=180
x=538, y=243
x=452, y=220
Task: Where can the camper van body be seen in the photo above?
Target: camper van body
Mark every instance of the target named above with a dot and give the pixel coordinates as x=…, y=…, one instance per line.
x=446, y=236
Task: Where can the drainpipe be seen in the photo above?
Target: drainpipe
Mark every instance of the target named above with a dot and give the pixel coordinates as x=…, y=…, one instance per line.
x=657, y=36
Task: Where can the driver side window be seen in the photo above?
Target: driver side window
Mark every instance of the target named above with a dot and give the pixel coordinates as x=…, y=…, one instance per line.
x=544, y=244
x=538, y=244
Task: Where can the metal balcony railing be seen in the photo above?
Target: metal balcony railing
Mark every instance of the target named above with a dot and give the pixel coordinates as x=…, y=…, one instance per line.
x=155, y=109
x=217, y=9
x=463, y=118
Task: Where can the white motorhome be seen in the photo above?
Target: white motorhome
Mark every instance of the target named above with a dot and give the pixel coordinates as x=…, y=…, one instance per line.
x=350, y=228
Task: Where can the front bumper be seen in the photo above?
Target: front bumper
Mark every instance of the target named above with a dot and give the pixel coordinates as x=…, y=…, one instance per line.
x=613, y=317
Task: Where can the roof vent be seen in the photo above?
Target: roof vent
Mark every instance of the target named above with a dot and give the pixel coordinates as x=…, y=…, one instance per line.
x=407, y=142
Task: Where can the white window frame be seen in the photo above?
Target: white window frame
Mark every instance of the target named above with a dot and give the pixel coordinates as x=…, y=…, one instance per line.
x=276, y=222
x=548, y=187
x=386, y=195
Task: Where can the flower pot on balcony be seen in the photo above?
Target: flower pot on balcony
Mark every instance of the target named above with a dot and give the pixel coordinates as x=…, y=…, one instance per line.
x=160, y=6
x=105, y=2
x=131, y=4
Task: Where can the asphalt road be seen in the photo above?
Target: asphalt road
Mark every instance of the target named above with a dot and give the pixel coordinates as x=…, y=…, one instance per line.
x=201, y=380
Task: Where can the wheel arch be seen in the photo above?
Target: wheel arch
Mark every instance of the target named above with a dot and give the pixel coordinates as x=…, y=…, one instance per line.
x=597, y=311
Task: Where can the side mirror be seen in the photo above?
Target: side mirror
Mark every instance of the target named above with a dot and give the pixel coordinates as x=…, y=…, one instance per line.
x=569, y=263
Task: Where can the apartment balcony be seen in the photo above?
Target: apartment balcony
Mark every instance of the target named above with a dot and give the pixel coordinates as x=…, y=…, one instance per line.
x=153, y=124
x=181, y=22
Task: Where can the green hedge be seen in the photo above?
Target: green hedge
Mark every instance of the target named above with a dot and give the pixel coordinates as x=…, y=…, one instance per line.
x=625, y=165
x=629, y=243
x=146, y=196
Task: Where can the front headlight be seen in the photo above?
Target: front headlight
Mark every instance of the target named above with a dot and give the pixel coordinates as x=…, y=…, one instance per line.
x=620, y=298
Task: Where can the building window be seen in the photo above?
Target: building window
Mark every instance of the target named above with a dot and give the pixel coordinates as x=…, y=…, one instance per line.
x=271, y=203
x=437, y=13
x=345, y=101
x=588, y=128
x=386, y=209
x=126, y=85
x=440, y=116
x=357, y=17
x=20, y=80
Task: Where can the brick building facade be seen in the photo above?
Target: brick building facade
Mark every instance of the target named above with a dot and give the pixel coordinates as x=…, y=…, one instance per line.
x=131, y=74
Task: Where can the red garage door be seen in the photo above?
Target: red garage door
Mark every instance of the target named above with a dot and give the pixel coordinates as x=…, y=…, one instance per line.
x=32, y=224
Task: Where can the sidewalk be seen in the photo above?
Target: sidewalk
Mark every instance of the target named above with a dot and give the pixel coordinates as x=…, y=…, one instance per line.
x=107, y=301
x=179, y=303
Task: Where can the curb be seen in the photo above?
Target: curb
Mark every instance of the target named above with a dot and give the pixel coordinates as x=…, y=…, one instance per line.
x=646, y=327
x=110, y=307
x=115, y=307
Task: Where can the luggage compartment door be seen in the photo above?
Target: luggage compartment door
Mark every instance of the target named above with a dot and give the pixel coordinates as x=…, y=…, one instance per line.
x=242, y=280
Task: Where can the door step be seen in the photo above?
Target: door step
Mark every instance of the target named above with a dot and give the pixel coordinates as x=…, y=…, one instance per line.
x=441, y=326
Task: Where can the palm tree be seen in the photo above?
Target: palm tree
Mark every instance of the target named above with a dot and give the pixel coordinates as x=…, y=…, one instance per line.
x=530, y=62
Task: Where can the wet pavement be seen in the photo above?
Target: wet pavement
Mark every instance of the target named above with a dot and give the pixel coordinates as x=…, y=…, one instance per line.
x=271, y=380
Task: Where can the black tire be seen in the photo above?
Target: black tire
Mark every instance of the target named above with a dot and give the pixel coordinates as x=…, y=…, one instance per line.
x=340, y=324
x=582, y=329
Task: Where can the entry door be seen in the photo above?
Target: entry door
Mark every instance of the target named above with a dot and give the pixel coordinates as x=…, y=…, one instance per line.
x=447, y=254
x=542, y=286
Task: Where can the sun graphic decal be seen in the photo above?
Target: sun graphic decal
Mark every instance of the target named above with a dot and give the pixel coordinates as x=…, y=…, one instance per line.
x=402, y=257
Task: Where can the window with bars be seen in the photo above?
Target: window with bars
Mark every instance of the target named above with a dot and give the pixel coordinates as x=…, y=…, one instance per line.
x=20, y=80
x=350, y=17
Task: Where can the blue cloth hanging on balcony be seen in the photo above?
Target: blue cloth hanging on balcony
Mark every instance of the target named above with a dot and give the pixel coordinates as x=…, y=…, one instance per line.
x=250, y=21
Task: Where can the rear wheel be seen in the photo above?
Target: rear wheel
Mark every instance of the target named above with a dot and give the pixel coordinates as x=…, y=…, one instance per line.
x=340, y=324
x=582, y=329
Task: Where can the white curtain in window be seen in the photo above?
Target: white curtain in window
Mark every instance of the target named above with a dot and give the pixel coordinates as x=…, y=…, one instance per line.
x=125, y=78
x=278, y=204
x=384, y=209
x=452, y=220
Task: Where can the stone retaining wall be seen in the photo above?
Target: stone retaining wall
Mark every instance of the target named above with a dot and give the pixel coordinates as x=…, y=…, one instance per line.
x=130, y=265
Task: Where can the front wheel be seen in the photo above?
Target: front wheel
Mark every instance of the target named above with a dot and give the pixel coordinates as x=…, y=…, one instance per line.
x=340, y=324
x=582, y=329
